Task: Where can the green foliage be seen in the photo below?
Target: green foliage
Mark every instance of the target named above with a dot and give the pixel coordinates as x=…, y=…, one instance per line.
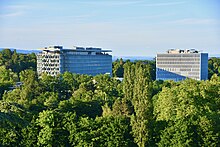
x=213, y=67
x=107, y=89
x=6, y=75
x=17, y=62
x=4, y=87
x=46, y=121
x=128, y=82
x=191, y=112
x=118, y=70
x=29, y=135
x=103, y=131
x=11, y=123
x=142, y=118
x=11, y=64
x=118, y=67
x=89, y=108
x=81, y=110
x=7, y=79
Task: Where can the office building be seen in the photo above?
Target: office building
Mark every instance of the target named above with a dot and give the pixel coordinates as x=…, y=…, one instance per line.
x=179, y=64
x=54, y=60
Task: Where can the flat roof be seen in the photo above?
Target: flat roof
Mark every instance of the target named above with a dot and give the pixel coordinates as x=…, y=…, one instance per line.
x=87, y=50
x=76, y=49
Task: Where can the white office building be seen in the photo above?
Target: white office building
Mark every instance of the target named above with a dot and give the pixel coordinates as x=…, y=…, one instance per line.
x=54, y=60
x=179, y=64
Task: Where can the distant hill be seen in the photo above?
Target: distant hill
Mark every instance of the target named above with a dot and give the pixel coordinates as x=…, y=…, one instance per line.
x=24, y=51
x=216, y=55
x=132, y=58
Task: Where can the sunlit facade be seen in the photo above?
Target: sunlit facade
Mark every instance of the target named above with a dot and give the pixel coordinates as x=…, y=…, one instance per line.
x=181, y=64
x=54, y=60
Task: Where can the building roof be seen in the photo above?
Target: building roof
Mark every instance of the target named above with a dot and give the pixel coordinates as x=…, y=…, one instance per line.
x=75, y=48
x=180, y=51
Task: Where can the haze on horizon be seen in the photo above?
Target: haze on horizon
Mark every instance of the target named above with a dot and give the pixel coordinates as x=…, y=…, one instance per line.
x=128, y=27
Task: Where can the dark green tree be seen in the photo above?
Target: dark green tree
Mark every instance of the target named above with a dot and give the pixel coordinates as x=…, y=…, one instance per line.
x=213, y=67
x=118, y=70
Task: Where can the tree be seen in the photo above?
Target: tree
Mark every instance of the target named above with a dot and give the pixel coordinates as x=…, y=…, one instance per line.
x=7, y=79
x=17, y=62
x=6, y=54
x=213, y=67
x=141, y=120
x=11, y=123
x=30, y=88
x=118, y=70
x=122, y=107
x=103, y=131
x=6, y=75
x=106, y=89
x=52, y=132
x=189, y=110
x=128, y=82
x=46, y=121
x=29, y=134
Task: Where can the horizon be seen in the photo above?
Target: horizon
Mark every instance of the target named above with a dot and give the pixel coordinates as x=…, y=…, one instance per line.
x=114, y=57
x=128, y=28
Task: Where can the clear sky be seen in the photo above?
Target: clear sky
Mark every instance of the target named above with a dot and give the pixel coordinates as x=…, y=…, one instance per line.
x=128, y=27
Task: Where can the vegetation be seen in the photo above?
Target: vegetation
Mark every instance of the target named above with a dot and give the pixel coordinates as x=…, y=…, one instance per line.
x=17, y=62
x=118, y=67
x=81, y=110
x=11, y=64
x=214, y=66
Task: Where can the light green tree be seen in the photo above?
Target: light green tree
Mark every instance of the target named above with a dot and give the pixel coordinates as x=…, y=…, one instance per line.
x=189, y=110
x=128, y=81
x=141, y=120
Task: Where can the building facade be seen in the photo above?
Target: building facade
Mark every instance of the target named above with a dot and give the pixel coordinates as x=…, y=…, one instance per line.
x=181, y=64
x=54, y=60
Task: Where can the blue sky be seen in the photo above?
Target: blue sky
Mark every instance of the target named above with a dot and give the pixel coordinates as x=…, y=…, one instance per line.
x=128, y=27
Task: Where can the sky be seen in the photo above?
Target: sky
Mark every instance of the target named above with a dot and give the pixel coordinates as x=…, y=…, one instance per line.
x=127, y=27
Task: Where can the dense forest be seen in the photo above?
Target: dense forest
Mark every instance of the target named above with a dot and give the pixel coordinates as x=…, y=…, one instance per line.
x=82, y=110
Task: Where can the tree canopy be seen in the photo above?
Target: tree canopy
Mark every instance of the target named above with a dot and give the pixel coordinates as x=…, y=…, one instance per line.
x=82, y=110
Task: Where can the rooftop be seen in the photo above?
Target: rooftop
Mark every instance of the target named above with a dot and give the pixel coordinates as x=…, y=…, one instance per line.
x=75, y=48
x=180, y=51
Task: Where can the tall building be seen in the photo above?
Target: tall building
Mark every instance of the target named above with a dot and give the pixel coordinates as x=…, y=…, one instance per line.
x=181, y=64
x=54, y=60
